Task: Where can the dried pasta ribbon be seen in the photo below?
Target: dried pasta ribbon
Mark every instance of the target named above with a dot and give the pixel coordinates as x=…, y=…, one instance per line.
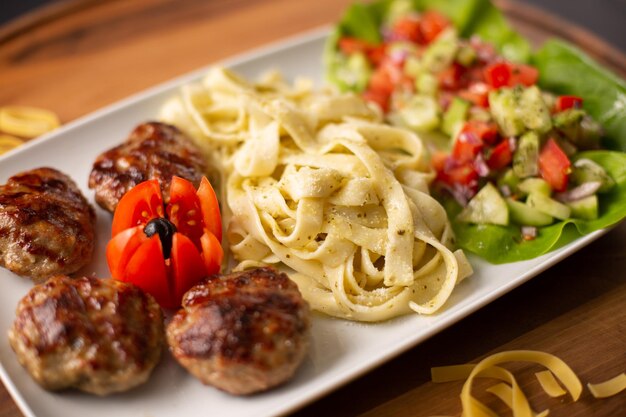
x=27, y=122
x=8, y=142
x=549, y=384
x=608, y=388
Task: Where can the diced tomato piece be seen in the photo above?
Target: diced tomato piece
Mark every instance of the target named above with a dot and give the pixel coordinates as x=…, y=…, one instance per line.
x=524, y=74
x=376, y=54
x=477, y=93
x=498, y=74
x=432, y=24
x=380, y=98
x=554, y=165
x=501, y=155
x=381, y=81
x=567, y=102
x=349, y=45
x=464, y=174
x=452, y=77
x=438, y=160
x=407, y=29
x=466, y=146
x=506, y=74
x=485, y=131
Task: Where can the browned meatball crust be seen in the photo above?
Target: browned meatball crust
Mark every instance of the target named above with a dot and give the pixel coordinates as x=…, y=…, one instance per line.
x=153, y=150
x=242, y=333
x=98, y=335
x=46, y=225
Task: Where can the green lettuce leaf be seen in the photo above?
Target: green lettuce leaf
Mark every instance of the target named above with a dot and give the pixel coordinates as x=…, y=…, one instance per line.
x=498, y=244
x=565, y=69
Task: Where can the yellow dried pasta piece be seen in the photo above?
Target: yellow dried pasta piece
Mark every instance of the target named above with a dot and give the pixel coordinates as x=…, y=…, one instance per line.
x=608, y=388
x=549, y=384
x=26, y=121
x=8, y=142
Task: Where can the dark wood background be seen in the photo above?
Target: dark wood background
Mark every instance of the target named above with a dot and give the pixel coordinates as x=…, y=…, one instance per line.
x=79, y=55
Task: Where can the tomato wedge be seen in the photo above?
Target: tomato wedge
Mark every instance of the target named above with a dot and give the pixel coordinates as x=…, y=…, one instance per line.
x=138, y=207
x=146, y=269
x=554, y=165
x=210, y=209
x=184, y=209
x=187, y=267
x=212, y=253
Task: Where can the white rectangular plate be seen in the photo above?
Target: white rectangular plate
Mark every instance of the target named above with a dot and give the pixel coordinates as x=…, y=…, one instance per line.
x=340, y=350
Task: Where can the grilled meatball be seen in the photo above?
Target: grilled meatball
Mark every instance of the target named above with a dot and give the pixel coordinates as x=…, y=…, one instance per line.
x=46, y=225
x=98, y=335
x=153, y=150
x=242, y=333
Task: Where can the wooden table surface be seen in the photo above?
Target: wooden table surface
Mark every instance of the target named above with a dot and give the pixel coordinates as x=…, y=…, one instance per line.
x=78, y=56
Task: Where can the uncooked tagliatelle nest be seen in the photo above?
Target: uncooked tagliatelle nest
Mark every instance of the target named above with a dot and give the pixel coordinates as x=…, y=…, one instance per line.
x=316, y=184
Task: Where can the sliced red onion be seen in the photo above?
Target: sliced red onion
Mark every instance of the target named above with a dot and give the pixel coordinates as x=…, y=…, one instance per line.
x=529, y=232
x=481, y=166
x=505, y=190
x=583, y=190
x=512, y=144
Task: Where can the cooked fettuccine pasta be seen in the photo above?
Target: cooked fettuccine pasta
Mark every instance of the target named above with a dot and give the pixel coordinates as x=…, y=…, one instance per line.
x=315, y=183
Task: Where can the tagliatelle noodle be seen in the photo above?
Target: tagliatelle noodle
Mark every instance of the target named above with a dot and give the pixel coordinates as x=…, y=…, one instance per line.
x=549, y=384
x=317, y=185
x=511, y=394
x=27, y=122
x=8, y=142
x=608, y=388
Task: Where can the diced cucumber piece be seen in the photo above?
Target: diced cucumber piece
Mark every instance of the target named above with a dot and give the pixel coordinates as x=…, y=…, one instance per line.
x=427, y=84
x=525, y=215
x=535, y=185
x=412, y=66
x=440, y=54
x=549, y=206
x=487, y=207
x=526, y=156
x=480, y=114
x=466, y=55
x=397, y=9
x=568, y=118
x=504, y=104
x=355, y=74
x=585, y=208
x=508, y=179
x=455, y=115
x=586, y=170
x=533, y=110
x=420, y=113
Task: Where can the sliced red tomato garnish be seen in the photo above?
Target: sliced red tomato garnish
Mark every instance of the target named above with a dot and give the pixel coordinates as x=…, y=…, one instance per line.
x=121, y=248
x=407, y=29
x=187, y=266
x=138, y=253
x=184, y=209
x=554, y=165
x=567, y=102
x=212, y=253
x=432, y=24
x=138, y=207
x=500, y=156
x=147, y=270
x=210, y=208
